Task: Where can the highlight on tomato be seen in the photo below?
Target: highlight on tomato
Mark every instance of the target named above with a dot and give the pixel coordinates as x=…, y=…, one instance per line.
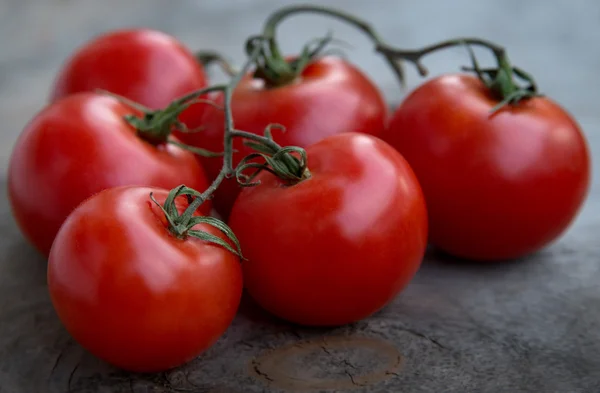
x=333, y=237
x=504, y=169
x=83, y=144
x=142, y=280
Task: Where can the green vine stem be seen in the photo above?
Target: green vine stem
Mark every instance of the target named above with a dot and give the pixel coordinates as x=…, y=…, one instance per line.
x=289, y=163
x=501, y=80
x=276, y=70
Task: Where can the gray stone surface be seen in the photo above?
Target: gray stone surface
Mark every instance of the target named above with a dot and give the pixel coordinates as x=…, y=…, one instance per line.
x=528, y=326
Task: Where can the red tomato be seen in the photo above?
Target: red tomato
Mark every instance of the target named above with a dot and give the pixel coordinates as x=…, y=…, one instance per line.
x=497, y=186
x=146, y=66
x=330, y=97
x=131, y=292
x=77, y=147
x=339, y=246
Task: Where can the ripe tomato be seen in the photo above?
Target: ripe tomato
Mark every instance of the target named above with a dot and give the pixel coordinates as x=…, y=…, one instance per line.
x=339, y=246
x=131, y=292
x=77, y=147
x=147, y=66
x=497, y=186
x=330, y=97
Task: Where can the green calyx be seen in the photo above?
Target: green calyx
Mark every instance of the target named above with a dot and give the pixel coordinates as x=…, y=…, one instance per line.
x=502, y=80
x=181, y=225
x=288, y=163
x=156, y=126
x=274, y=69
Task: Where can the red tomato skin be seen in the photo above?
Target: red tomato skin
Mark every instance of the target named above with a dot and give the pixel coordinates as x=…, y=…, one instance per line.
x=498, y=187
x=331, y=96
x=77, y=147
x=339, y=246
x=133, y=294
x=147, y=66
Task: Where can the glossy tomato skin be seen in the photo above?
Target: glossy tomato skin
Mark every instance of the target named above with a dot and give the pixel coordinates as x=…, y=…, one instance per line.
x=133, y=294
x=339, y=246
x=147, y=66
x=77, y=147
x=497, y=187
x=331, y=96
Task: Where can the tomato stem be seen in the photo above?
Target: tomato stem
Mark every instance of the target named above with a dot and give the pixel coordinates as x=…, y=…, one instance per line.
x=500, y=80
x=276, y=71
x=289, y=163
x=287, y=166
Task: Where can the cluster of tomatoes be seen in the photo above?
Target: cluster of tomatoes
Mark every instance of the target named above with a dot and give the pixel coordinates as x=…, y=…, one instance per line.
x=146, y=282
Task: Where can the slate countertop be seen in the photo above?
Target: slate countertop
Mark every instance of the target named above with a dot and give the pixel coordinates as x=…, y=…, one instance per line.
x=527, y=326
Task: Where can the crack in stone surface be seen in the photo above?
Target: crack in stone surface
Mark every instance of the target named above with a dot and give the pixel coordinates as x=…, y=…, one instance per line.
x=419, y=334
x=71, y=376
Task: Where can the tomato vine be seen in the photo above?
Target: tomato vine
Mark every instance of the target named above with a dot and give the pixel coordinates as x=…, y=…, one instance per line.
x=501, y=80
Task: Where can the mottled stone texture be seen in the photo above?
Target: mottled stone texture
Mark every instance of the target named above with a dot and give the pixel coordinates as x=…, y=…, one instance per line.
x=527, y=326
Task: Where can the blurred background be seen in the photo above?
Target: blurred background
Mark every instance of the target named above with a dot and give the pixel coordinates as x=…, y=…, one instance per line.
x=556, y=41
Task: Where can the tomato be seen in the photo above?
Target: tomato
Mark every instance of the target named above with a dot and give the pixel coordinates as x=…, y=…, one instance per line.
x=331, y=96
x=77, y=147
x=339, y=246
x=147, y=66
x=131, y=292
x=497, y=186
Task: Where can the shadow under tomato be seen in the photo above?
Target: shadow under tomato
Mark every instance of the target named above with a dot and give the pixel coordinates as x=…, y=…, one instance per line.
x=252, y=311
x=435, y=256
